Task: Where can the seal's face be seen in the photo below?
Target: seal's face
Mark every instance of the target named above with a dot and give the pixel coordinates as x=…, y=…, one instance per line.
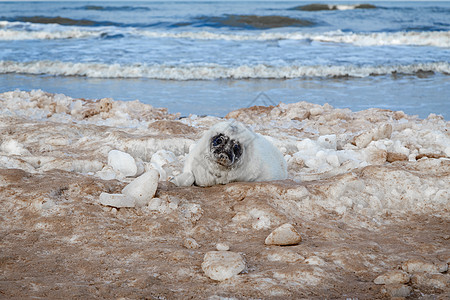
x=225, y=151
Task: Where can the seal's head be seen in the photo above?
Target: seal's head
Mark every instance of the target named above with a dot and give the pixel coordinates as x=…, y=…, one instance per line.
x=225, y=150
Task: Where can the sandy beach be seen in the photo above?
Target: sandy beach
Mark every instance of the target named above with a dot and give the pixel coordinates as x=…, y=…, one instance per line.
x=368, y=192
x=101, y=103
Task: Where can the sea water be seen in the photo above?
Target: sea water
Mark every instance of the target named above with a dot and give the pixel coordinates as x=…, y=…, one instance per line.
x=211, y=57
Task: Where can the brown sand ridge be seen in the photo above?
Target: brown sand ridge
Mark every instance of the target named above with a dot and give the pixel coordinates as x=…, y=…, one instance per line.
x=58, y=242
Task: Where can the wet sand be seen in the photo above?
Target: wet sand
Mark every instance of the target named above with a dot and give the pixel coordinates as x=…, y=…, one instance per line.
x=367, y=191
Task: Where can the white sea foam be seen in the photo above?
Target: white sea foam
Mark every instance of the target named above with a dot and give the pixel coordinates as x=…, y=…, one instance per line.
x=211, y=71
x=413, y=38
x=10, y=31
x=16, y=31
x=16, y=35
x=344, y=7
x=319, y=7
x=433, y=38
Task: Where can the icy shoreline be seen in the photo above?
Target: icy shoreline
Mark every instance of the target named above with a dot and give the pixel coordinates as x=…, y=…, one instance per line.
x=318, y=142
x=350, y=174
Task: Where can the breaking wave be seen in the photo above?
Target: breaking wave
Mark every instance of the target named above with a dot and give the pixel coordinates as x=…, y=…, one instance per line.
x=15, y=35
x=212, y=71
x=432, y=38
x=319, y=7
x=10, y=31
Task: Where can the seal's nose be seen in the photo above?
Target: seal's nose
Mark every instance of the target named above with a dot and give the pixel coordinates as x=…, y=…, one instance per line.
x=226, y=158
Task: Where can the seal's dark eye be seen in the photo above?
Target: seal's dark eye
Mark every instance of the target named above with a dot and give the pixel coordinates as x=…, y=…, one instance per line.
x=237, y=149
x=217, y=141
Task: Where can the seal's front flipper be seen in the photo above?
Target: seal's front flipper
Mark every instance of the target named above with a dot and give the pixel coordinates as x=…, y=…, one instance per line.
x=184, y=179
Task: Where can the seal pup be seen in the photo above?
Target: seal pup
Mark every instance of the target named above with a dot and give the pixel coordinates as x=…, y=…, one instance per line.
x=230, y=152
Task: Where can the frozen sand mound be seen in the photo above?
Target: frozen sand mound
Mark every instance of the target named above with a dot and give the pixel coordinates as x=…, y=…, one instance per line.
x=368, y=192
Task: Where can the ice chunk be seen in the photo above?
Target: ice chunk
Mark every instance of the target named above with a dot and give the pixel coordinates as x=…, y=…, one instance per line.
x=8, y=162
x=140, y=167
x=333, y=160
x=154, y=204
x=160, y=169
x=222, y=247
x=284, y=235
x=122, y=162
x=327, y=141
x=430, y=280
x=384, y=131
x=117, y=200
x=392, y=277
x=222, y=265
x=362, y=140
x=414, y=265
x=107, y=173
x=143, y=188
x=315, y=111
x=163, y=157
x=307, y=146
x=12, y=147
